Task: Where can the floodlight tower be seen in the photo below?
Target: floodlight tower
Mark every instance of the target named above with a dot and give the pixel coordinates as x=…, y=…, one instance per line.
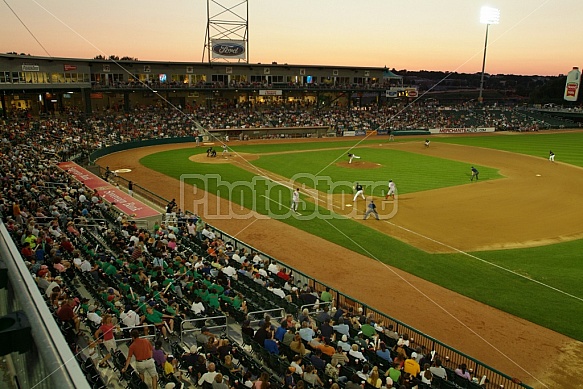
x=488, y=16
x=227, y=31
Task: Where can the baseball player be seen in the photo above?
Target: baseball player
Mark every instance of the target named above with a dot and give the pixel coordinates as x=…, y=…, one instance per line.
x=225, y=150
x=391, y=191
x=551, y=156
x=475, y=173
x=372, y=208
x=427, y=143
x=359, y=192
x=351, y=157
x=295, y=200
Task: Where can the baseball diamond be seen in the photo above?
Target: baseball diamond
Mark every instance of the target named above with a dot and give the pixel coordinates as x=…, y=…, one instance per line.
x=469, y=223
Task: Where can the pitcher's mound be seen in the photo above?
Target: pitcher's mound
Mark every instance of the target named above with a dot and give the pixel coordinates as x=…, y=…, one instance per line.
x=359, y=165
x=228, y=158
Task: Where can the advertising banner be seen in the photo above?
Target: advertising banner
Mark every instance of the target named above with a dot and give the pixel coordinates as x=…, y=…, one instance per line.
x=461, y=130
x=572, y=85
x=270, y=92
x=68, y=68
x=122, y=201
x=360, y=132
x=349, y=133
x=223, y=48
x=30, y=68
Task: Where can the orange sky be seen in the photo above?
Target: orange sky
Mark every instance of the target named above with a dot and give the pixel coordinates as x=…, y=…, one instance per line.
x=534, y=37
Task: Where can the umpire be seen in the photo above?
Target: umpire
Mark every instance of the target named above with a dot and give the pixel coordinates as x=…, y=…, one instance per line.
x=372, y=208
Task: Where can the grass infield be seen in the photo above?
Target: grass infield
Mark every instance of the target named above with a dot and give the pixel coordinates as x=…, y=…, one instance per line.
x=555, y=265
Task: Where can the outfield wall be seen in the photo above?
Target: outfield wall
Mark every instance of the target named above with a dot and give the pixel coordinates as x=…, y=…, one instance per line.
x=461, y=130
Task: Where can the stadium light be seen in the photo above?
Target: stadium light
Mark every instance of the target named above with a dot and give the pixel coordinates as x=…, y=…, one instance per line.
x=488, y=15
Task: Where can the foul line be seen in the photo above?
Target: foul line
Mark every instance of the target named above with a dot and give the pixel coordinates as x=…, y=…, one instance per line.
x=486, y=262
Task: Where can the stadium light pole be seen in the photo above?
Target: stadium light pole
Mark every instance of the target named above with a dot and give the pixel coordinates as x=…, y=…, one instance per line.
x=488, y=15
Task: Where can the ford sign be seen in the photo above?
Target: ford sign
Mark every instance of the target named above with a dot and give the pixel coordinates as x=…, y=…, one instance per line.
x=225, y=49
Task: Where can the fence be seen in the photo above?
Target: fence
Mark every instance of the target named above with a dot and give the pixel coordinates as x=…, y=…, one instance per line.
x=215, y=323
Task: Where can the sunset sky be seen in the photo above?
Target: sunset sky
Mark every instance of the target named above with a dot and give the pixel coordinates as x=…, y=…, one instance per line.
x=542, y=37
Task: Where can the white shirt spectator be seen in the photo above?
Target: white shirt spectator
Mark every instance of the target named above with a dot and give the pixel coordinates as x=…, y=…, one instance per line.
x=50, y=288
x=82, y=198
x=256, y=259
x=277, y=292
x=229, y=270
x=209, y=234
x=236, y=257
x=273, y=268
x=403, y=342
x=298, y=368
x=197, y=308
x=77, y=261
x=94, y=317
x=208, y=377
x=85, y=266
x=130, y=318
x=357, y=354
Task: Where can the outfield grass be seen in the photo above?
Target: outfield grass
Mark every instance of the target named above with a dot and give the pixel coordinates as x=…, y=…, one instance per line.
x=567, y=145
x=412, y=172
x=555, y=265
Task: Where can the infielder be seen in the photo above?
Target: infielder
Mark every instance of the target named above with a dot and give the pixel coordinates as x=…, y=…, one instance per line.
x=551, y=156
x=295, y=200
x=475, y=173
x=351, y=157
x=359, y=192
x=427, y=143
x=372, y=208
x=391, y=191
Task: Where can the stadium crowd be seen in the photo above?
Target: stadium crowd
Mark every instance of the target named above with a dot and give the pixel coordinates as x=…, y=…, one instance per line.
x=104, y=277
x=146, y=122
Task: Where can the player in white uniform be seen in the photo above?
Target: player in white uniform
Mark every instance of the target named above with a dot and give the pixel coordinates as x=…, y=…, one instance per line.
x=225, y=150
x=359, y=192
x=295, y=200
x=551, y=156
x=351, y=157
x=391, y=191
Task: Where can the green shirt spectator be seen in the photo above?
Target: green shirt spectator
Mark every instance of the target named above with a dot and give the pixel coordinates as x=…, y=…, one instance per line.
x=326, y=296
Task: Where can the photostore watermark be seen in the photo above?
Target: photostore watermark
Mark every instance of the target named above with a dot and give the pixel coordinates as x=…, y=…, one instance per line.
x=263, y=198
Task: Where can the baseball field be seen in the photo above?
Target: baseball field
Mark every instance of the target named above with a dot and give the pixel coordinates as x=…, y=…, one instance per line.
x=489, y=266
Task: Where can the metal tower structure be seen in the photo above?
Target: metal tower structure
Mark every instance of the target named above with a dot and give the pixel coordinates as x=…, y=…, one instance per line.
x=227, y=31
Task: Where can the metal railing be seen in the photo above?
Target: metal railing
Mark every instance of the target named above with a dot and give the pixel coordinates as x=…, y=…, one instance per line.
x=145, y=327
x=221, y=327
x=276, y=313
x=57, y=360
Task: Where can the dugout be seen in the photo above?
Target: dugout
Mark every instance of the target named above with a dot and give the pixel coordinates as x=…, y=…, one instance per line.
x=272, y=132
